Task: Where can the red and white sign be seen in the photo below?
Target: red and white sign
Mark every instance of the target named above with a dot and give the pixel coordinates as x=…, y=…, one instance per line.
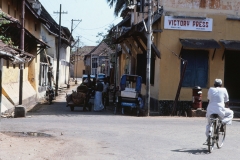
x=188, y=24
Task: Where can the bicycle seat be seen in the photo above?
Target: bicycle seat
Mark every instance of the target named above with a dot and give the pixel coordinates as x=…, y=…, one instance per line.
x=214, y=115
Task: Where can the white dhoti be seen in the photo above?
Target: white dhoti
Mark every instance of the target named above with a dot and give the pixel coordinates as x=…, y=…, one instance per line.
x=227, y=119
x=98, y=106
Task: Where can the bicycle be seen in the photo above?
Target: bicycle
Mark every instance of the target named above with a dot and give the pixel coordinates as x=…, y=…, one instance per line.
x=217, y=133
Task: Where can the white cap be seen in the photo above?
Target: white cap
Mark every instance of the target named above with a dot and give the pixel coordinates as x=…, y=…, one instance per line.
x=218, y=81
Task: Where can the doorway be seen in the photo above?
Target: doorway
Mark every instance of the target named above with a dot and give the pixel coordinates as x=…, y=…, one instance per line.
x=232, y=74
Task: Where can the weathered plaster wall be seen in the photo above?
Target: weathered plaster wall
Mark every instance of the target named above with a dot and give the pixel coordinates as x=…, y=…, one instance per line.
x=50, y=40
x=198, y=6
x=15, y=11
x=33, y=73
x=32, y=24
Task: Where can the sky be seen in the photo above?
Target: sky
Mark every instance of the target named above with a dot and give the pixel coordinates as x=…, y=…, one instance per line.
x=95, y=16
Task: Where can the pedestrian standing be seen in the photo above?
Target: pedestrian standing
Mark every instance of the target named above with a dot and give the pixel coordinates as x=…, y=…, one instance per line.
x=98, y=106
x=105, y=96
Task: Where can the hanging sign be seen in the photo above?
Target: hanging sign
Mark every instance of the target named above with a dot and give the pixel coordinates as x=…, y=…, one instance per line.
x=171, y=22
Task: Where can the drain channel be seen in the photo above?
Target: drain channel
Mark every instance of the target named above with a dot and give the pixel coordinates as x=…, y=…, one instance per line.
x=26, y=134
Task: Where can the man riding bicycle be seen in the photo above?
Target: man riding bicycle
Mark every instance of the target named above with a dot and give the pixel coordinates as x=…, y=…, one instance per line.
x=218, y=104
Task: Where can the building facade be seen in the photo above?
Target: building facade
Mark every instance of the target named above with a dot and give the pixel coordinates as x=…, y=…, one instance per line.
x=203, y=33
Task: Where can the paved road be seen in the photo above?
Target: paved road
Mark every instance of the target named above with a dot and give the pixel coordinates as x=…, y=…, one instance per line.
x=102, y=135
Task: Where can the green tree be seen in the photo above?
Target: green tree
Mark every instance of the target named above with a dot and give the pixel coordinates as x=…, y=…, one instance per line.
x=107, y=38
x=3, y=36
x=118, y=5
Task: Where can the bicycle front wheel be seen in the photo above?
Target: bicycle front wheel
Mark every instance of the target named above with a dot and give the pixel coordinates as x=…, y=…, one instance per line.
x=211, y=138
x=221, y=136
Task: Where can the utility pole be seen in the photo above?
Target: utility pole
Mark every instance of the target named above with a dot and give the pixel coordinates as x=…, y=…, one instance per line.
x=149, y=44
x=22, y=50
x=77, y=61
x=59, y=44
x=115, y=67
x=71, y=50
x=19, y=110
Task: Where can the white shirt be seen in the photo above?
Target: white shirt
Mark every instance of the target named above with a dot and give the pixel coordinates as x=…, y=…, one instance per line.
x=217, y=97
x=105, y=87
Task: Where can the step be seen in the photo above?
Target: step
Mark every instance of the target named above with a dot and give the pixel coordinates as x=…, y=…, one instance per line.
x=235, y=108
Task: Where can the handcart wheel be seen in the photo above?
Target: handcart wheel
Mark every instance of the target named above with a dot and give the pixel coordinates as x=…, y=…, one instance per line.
x=138, y=113
x=115, y=110
x=122, y=110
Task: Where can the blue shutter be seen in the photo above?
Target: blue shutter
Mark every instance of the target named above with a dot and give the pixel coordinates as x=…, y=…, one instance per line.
x=201, y=69
x=188, y=80
x=196, y=73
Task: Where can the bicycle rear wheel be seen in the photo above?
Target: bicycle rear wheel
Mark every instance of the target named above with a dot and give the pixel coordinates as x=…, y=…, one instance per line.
x=211, y=137
x=221, y=136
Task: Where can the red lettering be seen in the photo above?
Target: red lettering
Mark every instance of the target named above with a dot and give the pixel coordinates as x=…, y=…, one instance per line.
x=200, y=24
x=169, y=22
x=178, y=22
x=175, y=22
x=188, y=23
x=181, y=23
x=207, y=24
x=194, y=23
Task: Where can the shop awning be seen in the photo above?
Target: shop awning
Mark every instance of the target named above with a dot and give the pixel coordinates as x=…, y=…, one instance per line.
x=200, y=43
x=231, y=44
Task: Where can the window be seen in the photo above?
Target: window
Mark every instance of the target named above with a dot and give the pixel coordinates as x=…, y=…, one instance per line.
x=196, y=73
x=94, y=63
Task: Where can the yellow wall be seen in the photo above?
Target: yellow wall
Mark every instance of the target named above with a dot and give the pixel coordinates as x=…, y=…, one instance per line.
x=79, y=66
x=30, y=20
x=30, y=72
x=170, y=64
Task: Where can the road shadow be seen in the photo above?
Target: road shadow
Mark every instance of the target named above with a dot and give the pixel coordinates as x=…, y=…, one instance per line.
x=202, y=151
x=61, y=109
x=236, y=120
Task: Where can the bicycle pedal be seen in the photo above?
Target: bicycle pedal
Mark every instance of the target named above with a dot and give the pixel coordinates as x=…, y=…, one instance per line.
x=206, y=143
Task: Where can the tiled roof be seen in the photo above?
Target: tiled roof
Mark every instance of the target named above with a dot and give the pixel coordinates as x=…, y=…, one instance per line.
x=84, y=50
x=102, y=50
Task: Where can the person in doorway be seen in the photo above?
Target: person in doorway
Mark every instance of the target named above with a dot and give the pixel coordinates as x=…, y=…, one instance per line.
x=218, y=104
x=50, y=72
x=98, y=106
x=105, y=98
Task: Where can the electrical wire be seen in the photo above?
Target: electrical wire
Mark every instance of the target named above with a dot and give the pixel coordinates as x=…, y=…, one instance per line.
x=102, y=26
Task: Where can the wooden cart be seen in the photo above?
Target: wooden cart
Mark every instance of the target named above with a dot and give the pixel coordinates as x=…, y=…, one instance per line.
x=79, y=98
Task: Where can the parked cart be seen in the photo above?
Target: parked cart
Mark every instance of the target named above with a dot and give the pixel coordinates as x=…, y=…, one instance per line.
x=128, y=98
x=79, y=98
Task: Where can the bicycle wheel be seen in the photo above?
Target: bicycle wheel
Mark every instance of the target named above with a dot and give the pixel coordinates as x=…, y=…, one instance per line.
x=221, y=136
x=211, y=137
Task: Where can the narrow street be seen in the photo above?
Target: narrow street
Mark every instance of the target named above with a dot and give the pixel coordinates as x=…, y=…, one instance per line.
x=54, y=132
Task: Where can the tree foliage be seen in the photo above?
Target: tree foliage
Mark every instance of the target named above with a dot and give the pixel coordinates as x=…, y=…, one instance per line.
x=106, y=37
x=118, y=5
x=3, y=37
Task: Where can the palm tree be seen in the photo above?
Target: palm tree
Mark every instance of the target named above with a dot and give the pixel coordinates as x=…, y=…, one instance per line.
x=118, y=4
